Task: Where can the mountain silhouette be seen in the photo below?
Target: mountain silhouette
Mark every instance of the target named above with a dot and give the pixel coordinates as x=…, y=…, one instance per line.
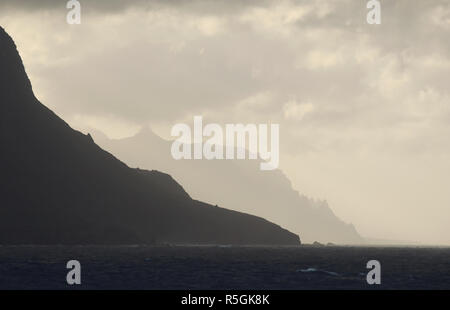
x=58, y=187
x=237, y=184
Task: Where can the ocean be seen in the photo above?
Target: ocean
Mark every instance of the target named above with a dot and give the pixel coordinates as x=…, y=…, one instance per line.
x=223, y=267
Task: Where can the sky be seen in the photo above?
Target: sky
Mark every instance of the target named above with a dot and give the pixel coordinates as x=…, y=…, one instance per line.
x=364, y=110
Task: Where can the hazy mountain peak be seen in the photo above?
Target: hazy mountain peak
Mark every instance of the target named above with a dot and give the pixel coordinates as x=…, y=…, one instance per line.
x=147, y=133
x=238, y=185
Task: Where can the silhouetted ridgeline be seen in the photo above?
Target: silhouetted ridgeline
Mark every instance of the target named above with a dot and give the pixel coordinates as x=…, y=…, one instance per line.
x=238, y=185
x=58, y=187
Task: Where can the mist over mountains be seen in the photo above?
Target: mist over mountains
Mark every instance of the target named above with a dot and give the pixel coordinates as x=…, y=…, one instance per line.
x=58, y=187
x=238, y=185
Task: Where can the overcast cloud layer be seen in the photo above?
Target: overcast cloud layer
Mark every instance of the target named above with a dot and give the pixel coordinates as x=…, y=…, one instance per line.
x=364, y=110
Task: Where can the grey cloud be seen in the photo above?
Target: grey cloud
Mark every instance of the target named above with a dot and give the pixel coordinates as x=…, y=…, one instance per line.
x=108, y=6
x=375, y=90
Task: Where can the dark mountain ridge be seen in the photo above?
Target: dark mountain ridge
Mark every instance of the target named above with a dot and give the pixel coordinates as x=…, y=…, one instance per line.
x=58, y=187
x=243, y=187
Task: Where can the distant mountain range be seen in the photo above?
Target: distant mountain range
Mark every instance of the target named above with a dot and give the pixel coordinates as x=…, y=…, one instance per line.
x=58, y=187
x=239, y=185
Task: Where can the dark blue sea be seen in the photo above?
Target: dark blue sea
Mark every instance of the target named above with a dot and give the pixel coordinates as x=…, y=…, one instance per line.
x=214, y=267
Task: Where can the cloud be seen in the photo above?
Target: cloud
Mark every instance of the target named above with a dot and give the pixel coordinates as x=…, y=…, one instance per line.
x=219, y=54
x=297, y=111
x=339, y=88
x=51, y=5
x=120, y=6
